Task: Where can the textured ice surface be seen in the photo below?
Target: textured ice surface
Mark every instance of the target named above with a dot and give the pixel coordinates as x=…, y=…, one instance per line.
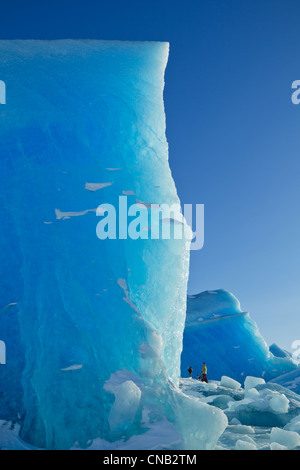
x=125, y=407
x=220, y=334
x=159, y=435
x=278, y=352
x=244, y=444
x=84, y=122
x=251, y=416
x=290, y=380
x=271, y=406
x=279, y=403
x=251, y=382
x=276, y=446
x=230, y=383
x=289, y=439
x=200, y=424
x=293, y=425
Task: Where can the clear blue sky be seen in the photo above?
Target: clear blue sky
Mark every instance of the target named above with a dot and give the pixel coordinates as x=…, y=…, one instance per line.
x=232, y=129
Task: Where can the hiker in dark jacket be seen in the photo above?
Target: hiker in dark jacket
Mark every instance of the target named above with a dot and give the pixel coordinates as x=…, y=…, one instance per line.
x=190, y=371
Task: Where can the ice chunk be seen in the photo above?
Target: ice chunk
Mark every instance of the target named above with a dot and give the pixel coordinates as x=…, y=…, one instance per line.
x=293, y=425
x=240, y=429
x=235, y=422
x=245, y=445
x=256, y=410
x=279, y=403
x=255, y=413
x=127, y=401
x=191, y=415
x=118, y=378
x=220, y=401
x=276, y=446
x=251, y=382
x=230, y=383
x=209, y=386
x=289, y=439
x=278, y=352
x=252, y=393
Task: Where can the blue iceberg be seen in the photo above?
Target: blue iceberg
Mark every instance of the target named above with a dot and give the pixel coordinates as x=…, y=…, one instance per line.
x=93, y=328
x=278, y=351
x=220, y=334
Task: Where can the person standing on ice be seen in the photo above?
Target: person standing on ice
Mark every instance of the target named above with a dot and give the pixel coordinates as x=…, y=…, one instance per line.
x=204, y=372
x=190, y=371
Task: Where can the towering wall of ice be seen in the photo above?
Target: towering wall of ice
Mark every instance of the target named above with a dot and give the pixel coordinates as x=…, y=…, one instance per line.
x=220, y=334
x=81, y=317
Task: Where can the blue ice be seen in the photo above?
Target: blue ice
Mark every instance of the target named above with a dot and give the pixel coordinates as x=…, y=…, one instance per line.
x=84, y=123
x=226, y=338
